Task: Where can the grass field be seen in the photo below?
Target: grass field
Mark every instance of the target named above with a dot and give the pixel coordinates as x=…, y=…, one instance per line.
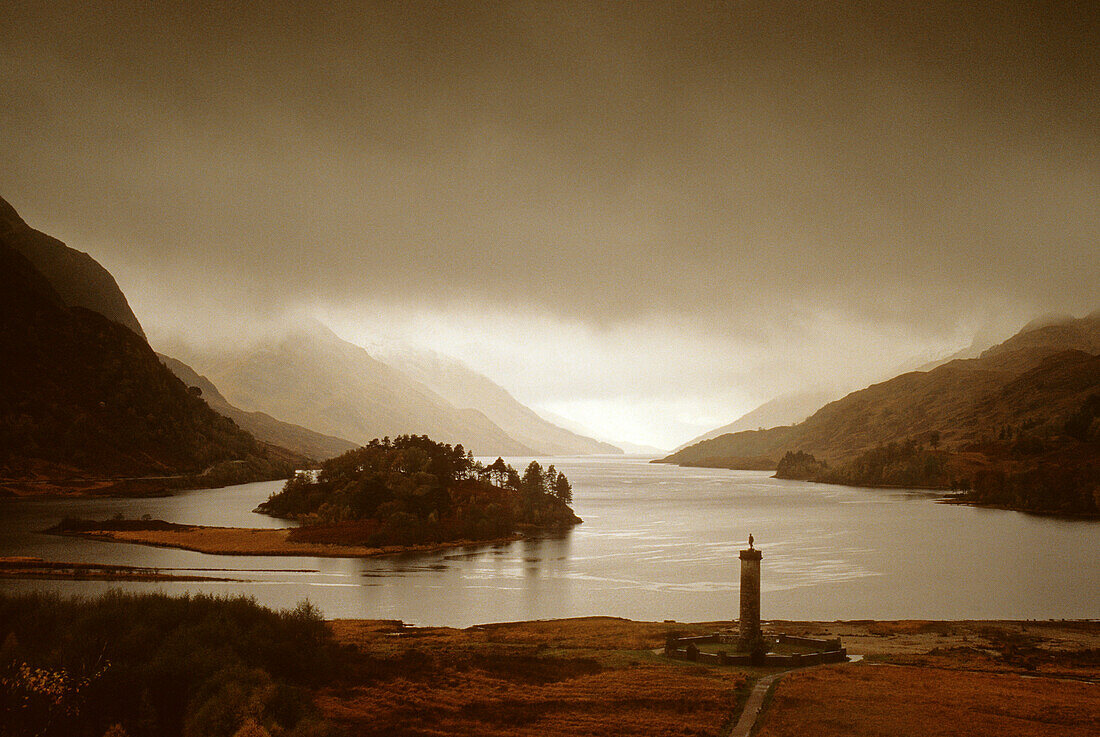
x=593, y=676
x=995, y=679
x=600, y=676
x=879, y=700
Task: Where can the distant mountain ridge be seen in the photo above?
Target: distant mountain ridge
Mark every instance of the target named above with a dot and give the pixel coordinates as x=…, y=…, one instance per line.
x=787, y=409
x=465, y=388
x=82, y=396
x=313, y=378
x=299, y=439
x=76, y=277
x=942, y=399
x=1005, y=412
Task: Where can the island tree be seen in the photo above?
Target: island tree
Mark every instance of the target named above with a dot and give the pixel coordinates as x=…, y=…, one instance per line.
x=413, y=490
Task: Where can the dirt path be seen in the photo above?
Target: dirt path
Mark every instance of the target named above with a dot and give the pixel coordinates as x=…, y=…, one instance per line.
x=753, y=704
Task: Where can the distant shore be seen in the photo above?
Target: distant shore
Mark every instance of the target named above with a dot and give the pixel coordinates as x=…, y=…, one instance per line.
x=130, y=487
x=77, y=488
x=947, y=494
x=243, y=540
x=37, y=568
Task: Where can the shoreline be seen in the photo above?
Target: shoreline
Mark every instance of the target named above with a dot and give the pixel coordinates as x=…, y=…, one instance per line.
x=260, y=542
x=127, y=487
x=947, y=495
x=29, y=567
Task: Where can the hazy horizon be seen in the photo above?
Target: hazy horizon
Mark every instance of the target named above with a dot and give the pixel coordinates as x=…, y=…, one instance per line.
x=647, y=220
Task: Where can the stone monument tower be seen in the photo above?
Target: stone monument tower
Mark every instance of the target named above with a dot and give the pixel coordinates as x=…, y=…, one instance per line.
x=749, y=623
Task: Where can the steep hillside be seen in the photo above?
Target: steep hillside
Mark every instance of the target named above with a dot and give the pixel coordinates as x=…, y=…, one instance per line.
x=787, y=409
x=82, y=396
x=265, y=427
x=951, y=399
x=1012, y=411
x=1041, y=337
x=77, y=277
x=463, y=387
x=745, y=450
x=315, y=379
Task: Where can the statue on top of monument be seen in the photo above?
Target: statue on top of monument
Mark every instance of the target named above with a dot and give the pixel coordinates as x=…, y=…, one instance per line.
x=750, y=541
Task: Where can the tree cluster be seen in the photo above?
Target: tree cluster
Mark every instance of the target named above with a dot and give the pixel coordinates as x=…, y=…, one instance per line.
x=413, y=490
x=1024, y=470
x=907, y=463
x=799, y=465
x=1064, y=480
x=150, y=664
x=1083, y=424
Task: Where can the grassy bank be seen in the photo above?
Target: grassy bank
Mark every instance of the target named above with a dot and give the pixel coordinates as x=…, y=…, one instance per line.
x=325, y=541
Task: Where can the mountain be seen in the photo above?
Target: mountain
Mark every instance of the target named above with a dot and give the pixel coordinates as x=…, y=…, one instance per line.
x=1039, y=337
x=981, y=342
x=919, y=402
x=77, y=278
x=787, y=409
x=463, y=387
x=796, y=406
x=265, y=427
x=82, y=396
x=1009, y=412
x=313, y=378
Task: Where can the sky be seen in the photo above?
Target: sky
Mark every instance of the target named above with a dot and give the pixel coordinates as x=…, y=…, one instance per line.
x=647, y=218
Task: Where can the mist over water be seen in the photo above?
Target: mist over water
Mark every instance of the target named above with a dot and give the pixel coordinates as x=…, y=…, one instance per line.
x=658, y=542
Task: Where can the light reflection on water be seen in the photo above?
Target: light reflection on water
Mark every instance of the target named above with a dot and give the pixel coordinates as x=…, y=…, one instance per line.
x=658, y=542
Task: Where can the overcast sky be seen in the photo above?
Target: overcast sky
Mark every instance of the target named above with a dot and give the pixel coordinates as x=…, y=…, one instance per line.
x=647, y=218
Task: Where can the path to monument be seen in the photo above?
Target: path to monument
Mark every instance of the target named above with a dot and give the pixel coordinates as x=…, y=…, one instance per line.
x=752, y=706
x=751, y=712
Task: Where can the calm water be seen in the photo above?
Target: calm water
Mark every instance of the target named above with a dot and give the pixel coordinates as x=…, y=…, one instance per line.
x=658, y=542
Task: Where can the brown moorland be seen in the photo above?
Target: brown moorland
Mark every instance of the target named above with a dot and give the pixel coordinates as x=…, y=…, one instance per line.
x=591, y=676
x=600, y=676
x=946, y=678
x=876, y=699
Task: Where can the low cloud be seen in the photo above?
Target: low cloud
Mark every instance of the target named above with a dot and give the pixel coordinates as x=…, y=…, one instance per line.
x=739, y=197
